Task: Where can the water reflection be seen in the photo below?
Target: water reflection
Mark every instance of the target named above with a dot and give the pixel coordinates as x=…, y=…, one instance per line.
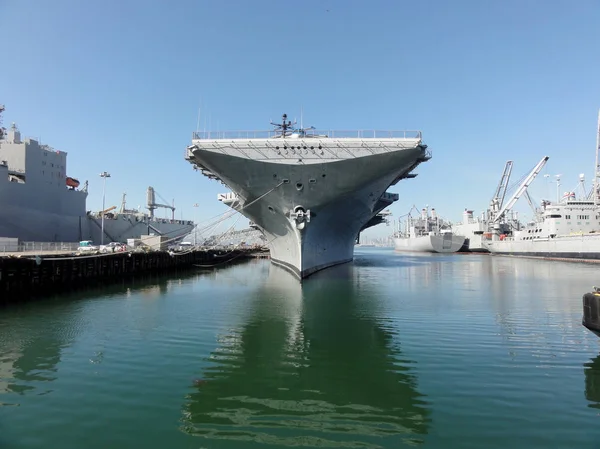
x=513, y=287
x=31, y=349
x=591, y=370
x=34, y=335
x=311, y=366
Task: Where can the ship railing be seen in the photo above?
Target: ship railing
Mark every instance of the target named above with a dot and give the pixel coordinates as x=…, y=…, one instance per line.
x=35, y=248
x=309, y=134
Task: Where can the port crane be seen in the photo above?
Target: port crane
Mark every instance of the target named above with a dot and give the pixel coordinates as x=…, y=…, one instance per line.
x=522, y=189
x=152, y=204
x=498, y=199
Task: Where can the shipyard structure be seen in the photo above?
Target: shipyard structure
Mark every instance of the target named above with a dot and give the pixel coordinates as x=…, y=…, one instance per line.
x=310, y=192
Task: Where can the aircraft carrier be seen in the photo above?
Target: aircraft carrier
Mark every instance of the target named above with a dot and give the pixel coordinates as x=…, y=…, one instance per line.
x=310, y=192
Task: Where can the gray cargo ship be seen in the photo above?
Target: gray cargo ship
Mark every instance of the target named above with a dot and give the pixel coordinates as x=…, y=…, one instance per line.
x=40, y=203
x=310, y=193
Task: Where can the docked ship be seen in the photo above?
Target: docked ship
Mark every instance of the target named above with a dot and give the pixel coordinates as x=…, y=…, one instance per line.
x=428, y=233
x=122, y=224
x=499, y=218
x=567, y=229
x=40, y=203
x=311, y=193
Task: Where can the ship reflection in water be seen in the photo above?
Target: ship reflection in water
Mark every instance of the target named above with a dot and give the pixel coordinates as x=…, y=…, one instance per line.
x=591, y=371
x=312, y=366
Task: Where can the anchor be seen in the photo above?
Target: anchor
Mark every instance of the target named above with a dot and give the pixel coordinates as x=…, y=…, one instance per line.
x=300, y=216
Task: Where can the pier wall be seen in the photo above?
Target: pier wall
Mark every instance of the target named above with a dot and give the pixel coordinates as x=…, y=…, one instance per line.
x=22, y=278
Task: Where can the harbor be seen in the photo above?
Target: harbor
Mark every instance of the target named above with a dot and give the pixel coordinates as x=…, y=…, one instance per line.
x=236, y=225
x=246, y=354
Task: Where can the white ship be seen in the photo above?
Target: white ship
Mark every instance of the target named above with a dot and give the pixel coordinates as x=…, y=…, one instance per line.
x=40, y=203
x=428, y=233
x=499, y=218
x=569, y=228
x=309, y=192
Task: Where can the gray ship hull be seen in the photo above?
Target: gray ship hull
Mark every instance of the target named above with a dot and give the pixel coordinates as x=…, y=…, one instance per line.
x=341, y=196
x=30, y=225
x=445, y=243
x=35, y=211
x=123, y=227
x=585, y=246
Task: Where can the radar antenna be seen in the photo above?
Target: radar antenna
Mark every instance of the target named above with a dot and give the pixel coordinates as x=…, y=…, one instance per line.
x=285, y=127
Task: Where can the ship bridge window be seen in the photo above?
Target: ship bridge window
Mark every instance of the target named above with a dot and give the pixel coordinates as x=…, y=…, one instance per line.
x=555, y=216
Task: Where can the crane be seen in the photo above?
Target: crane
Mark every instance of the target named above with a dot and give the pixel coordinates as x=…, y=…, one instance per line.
x=522, y=188
x=107, y=210
x=498, y=198
x=152, y=204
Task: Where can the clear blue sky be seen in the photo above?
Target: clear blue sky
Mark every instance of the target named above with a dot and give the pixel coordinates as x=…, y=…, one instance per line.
x=118, y=84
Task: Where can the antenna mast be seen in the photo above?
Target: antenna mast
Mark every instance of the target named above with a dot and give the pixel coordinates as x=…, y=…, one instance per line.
x=2, y=130
x=283, y=127
x=597, y=172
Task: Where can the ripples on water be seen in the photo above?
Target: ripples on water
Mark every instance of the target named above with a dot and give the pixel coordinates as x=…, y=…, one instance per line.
x=389, y=351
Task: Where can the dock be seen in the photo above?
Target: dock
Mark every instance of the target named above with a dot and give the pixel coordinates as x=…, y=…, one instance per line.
x=24, y=276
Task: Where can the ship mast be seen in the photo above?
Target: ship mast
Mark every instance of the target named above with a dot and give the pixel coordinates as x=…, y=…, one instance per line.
x=2, y=130
x=284, y=126
x=597, y=174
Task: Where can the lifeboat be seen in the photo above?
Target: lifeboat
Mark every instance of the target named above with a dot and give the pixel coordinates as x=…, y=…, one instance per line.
x=72, y=182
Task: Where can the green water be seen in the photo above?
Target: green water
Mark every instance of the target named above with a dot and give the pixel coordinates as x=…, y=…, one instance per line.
x=390, y=351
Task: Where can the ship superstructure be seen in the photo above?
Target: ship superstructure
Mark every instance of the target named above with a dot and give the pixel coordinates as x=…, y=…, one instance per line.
x=309, y=192
x=38, y=201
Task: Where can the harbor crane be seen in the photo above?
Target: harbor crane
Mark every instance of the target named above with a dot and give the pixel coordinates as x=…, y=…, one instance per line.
x=152, y=204
x=520, y=191
x=498, y=199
